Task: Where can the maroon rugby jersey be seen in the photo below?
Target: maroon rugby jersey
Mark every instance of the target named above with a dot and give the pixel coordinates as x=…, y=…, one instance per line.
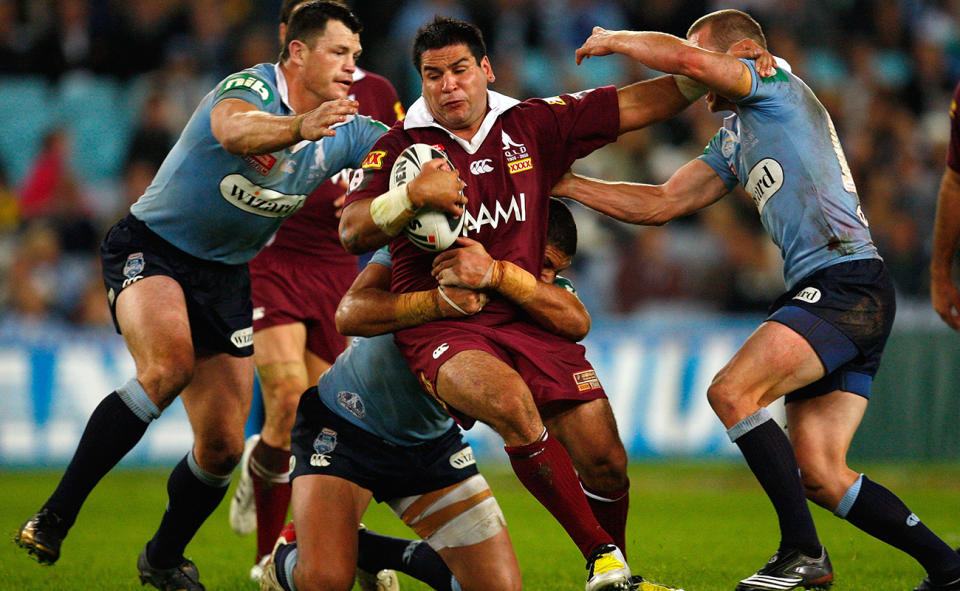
x=314, y=230
x=953, y=152
x=521, y=150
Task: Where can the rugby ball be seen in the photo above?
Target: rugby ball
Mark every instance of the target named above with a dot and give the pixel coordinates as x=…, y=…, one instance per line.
x=431, y=230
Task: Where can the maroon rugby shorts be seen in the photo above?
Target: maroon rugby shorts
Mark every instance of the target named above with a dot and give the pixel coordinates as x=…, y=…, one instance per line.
x=555, y=369
x=290, y=287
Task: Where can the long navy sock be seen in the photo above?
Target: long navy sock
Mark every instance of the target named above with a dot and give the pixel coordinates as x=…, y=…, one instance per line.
x=193, y=495
x=879, y=512
x=768, y=453
x=413, y=557
x=114, y=428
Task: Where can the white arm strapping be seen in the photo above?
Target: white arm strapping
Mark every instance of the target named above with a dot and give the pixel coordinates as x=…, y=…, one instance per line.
x=392, y=210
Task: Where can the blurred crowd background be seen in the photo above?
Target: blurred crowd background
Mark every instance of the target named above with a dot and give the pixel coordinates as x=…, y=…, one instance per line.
x=94, y=92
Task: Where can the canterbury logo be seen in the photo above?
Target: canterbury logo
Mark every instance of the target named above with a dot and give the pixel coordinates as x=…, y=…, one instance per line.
x=478, y=167
x=440, y=350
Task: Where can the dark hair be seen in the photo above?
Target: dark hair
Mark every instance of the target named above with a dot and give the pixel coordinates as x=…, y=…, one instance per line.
x=729, y=26
x=561, y=227
x=307, y=20
x=444, y=32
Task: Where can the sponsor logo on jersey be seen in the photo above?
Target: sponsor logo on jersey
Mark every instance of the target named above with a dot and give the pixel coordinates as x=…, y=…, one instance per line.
x=323, y=446
x=134, y=265
x=252, y=198
x=251, y=83
x=811, y=295
x=374, y=159
x=554, y=100
x=262, y=163
x=478, y=167
x=912, y=520
x=516, y=154
x=764, y=180
x=242, y=338
x=352, y=403
x=440, y=350
x=356, y=180
x=516, y=209
x=520, y=165
x=463, y=458
x=586, y=380
x=259, y=312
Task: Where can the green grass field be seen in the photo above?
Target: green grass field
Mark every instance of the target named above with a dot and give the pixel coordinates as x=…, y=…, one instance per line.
x=699, y=525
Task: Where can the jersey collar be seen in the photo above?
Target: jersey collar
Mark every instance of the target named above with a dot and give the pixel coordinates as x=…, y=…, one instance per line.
x=282, y=86
x=419, y=116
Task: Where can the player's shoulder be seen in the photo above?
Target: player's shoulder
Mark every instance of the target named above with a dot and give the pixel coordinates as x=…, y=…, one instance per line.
x=569, y=99
x=257, y=84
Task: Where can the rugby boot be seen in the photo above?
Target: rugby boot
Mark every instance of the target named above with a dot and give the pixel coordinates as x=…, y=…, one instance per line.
x=183, y=577
x=791, y=570
x=243, y=508
x=42, y=535
x=638, y=583
x=607, y=570
x=927, y=585
x=385, y=580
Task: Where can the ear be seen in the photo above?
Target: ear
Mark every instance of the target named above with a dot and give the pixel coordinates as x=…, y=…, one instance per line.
x=298, y=51
x=487, y=69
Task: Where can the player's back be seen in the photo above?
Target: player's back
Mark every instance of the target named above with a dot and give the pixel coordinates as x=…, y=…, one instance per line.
x=784, y=150
x=371, y=386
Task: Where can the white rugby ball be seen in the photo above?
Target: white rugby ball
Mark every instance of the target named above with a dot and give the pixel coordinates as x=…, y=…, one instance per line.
x=431, y=230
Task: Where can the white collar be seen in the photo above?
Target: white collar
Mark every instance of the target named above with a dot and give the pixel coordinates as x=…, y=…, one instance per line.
x=358, y=74
x=282, y=86
x=419, y=116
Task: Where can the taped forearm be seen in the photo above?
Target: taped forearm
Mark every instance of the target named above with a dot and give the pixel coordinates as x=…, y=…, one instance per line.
x=513, y=282
x=415, y=308
x=392, y=210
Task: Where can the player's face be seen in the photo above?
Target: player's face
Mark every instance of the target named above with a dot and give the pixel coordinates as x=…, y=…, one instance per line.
x=455, y=86
x=554, y=262
x=704, y=40
x=329, y=65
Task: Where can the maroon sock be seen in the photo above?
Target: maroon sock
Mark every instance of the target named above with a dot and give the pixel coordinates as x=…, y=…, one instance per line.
x=545, y=470
x=610, y=509
x=271, y=493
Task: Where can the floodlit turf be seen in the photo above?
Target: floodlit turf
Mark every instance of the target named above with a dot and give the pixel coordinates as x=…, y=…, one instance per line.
x=700, y=525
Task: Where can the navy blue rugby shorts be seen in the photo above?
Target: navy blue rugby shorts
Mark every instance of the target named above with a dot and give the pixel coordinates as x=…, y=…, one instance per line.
x=324, y=443
x=217, y=294
x=845, y=311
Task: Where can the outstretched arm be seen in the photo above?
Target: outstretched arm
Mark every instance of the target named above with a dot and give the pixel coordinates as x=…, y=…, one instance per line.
x=694, y=186
x=552, y=307
x=243, y=129
x=946, y=238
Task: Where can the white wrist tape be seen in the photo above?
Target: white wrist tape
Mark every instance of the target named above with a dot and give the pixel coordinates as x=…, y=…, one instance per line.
x=453, y=305
x=392, y=210
x=689, y=88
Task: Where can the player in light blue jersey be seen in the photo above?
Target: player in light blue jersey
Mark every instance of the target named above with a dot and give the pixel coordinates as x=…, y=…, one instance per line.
x=821, y=344
x=177, y=280
x=366, y=432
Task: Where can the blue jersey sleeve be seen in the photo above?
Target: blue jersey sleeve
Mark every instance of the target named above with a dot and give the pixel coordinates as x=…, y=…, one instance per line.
x=382, y=257
x=353, y=141
x=714, y=158
x=250, y=86
x=764, y=92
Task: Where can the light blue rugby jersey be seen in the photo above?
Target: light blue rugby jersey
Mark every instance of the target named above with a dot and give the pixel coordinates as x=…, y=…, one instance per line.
x=782, y=147
x=224, y=207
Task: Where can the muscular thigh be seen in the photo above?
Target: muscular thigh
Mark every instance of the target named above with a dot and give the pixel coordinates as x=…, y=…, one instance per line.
x=773, y=361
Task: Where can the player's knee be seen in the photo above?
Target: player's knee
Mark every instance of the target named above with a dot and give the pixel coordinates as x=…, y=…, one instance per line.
x=219, y=454
x=165, y=378
x=502, y=579
x=723, y=399
x=605, y=472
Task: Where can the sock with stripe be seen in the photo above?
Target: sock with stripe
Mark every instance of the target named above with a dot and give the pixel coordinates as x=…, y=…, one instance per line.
x=413, y=557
